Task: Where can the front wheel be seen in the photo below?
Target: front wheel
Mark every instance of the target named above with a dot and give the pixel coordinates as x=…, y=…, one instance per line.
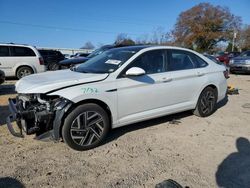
x=206, y=103
x=85, y=127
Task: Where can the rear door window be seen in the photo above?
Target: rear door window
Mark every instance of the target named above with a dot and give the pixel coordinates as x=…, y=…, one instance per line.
x=4, y=51
x=22, y=51
x=184, y=60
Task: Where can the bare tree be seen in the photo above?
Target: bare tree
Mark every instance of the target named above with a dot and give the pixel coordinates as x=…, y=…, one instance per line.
x=122, y=39
x=144, y=39
x=243, y=38
x=88, y=45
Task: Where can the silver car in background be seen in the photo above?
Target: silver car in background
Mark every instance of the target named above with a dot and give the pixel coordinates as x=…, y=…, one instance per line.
x=241, y=63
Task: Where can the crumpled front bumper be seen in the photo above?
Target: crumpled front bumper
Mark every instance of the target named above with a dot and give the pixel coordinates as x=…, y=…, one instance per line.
x=17, y=116
x=14, y=117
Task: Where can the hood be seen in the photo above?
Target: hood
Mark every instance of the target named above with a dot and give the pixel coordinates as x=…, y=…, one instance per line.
x=52, y=80
x=73, y=61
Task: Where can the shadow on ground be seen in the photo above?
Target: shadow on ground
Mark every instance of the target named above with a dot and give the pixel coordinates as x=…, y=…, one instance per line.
x=171, y=119
x=7, y=89
x=4, y=112
x=234, y=171
x=222, y=103
x=8, y=182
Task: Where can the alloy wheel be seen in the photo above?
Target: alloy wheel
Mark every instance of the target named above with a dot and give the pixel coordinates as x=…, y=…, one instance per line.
x=207, y=102
x=87, y=128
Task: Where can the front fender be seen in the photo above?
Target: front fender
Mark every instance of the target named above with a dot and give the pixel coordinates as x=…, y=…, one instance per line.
x=77, y=94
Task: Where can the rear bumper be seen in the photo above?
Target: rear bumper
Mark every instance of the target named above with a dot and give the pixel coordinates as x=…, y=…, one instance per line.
x=13, y=117
x=41, y=68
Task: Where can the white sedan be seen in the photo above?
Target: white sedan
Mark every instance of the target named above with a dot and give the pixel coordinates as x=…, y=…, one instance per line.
x=118, y=87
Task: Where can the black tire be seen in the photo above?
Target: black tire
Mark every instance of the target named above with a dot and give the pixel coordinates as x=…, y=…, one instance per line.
x=206, y=104
x=23, y=71
x=85, y=127
x=53, y=66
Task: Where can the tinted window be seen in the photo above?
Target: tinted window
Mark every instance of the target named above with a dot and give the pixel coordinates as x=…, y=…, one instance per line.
x=151, y=61
x=43, y=52
x=200, y=62
x=245, y=54
x=183, y=60
x=180, y=60
x=4, y=51
x=22, y=51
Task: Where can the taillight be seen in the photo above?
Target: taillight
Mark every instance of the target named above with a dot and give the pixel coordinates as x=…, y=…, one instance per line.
x=41, y=61
x=226, y=74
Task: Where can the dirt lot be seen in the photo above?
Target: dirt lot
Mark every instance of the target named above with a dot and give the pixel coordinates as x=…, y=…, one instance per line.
x=196, y=152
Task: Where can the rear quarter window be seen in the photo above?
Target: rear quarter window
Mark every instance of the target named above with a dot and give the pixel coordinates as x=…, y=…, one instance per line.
x=22, y=51
x=199, y=61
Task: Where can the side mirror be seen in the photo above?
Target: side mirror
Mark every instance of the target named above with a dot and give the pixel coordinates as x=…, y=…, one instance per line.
x=135, y=71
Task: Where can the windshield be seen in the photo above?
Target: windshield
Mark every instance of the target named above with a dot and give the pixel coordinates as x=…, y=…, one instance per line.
x=96, y=52
x=245, y=54
x=107, y=62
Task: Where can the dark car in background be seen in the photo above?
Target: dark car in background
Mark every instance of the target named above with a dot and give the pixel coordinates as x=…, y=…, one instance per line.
x=80, y=55
x=225, y=57
x=67, y=63
x=241, y=63
x=51, y=58
x=2, y=77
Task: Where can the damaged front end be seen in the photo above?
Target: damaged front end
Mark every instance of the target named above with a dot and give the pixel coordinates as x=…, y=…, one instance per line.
x=37, y=114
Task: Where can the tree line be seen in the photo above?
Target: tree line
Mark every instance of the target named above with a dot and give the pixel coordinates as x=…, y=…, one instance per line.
x=204, y=28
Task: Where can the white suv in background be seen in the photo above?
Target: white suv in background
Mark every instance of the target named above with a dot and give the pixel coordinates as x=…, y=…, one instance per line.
x=20, y=60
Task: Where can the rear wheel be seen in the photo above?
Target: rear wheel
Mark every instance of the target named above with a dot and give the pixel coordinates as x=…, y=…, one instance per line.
x=85, y=127
x=206, y=102
x=53, y=66
x=23, y=71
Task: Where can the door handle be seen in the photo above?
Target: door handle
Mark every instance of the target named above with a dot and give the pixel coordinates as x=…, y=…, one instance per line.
x=200, y=73
x=166, y=79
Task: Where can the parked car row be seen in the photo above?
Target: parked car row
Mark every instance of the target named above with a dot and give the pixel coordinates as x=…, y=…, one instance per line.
x=22, y=60
x=67, y=63
x=234, y=61
x=225, y=57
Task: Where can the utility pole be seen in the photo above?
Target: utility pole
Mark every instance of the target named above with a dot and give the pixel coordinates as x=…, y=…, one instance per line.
x=234, y=37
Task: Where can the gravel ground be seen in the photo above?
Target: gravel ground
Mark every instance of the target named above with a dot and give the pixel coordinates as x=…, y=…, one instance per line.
x=196, y=152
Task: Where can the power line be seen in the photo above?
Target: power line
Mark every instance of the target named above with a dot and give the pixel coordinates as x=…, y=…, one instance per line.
x=64, y=28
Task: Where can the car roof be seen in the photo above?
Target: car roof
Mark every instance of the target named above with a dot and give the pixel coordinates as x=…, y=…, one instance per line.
x=13, y=44
x=154, y=47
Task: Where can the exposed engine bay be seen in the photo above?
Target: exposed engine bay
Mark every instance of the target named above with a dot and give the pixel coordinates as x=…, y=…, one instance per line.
x=36, y=113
